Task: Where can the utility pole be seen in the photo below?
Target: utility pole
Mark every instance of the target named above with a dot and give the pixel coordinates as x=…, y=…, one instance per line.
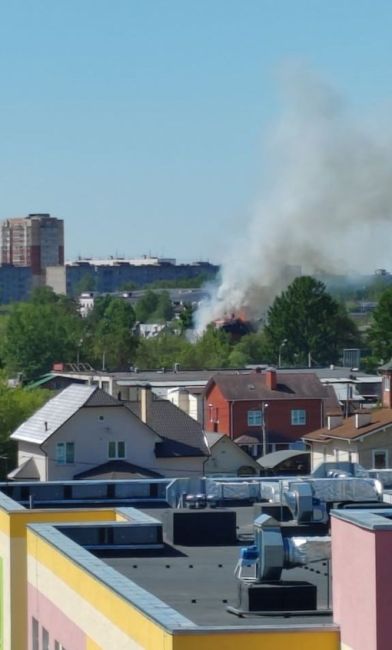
x=264, y=427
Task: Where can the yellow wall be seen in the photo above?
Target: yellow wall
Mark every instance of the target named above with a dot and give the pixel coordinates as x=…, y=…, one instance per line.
x=290, y=640
x=13, y=552
x=120, y=615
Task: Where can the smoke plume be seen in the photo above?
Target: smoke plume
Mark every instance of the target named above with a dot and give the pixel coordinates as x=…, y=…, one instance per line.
x=326, y=202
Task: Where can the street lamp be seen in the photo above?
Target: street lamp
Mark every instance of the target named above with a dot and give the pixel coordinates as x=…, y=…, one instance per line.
x=264, y=408
x=280, y=352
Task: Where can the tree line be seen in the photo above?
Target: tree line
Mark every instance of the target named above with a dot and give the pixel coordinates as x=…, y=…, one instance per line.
x=305, y=324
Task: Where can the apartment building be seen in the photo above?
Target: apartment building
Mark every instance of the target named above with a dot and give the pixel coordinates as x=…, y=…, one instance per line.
x=35, y=241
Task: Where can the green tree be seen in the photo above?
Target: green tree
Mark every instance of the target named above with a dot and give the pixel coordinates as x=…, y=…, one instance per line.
x=109, y=336
x=146, y=306
x=380, y=331
x=305, y=323
x=40, y=332
x=16, y=405
x=211, y=350
x=252, y=348
x=164, y=311
x=162, y=351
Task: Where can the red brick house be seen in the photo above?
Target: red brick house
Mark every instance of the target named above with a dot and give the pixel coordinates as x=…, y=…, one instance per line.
x=281, y=405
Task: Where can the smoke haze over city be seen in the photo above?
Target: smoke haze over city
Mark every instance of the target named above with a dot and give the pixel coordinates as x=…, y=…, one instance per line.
x=325, y=204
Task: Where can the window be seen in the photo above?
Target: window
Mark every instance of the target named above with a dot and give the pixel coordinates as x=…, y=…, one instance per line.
x=255, y=418
x=380, y=458
x=45, y=639
x=298, y=417
x=65, y=453
x=387, y=382
x=116, y=449
x=35, y=634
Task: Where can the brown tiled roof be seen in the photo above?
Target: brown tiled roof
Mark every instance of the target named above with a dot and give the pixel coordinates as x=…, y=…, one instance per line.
x=253, y=386
x=380, y=419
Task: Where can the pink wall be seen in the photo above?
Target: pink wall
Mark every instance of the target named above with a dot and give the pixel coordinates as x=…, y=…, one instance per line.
x=384, y=588
x=354, y=585
x=60, y=627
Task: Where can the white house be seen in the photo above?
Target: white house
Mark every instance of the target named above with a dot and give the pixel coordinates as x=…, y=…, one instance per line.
x=227, y=458
x=83, y=431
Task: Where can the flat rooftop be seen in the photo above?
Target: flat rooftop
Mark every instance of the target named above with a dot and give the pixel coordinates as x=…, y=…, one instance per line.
x=199, y=581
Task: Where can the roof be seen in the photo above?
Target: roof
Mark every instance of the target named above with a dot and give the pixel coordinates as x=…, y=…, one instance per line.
x=380, y=419
x=27, y=471
x=253, y=387
x=386, y=366
x=212, y=438
x=50, y=417
x=182, y=435
x=198, y=580
x=117, y=470
x=277, y=457
x=248, y=439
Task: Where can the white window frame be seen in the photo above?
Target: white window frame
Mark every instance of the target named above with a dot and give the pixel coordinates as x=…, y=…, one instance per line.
x=117, y=456
x=296, y=420
x=255, y=418
x=62, y=458
x=386, y=455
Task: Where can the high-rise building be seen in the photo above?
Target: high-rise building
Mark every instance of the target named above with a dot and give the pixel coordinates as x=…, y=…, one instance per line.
x=35, y=241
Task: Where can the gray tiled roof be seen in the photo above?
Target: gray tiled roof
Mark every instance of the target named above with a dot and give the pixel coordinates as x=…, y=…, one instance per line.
x=183, y=436
x=50, y=417
x=117, y=470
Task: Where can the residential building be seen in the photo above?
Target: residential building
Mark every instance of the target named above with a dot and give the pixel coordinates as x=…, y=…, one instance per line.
x=364, y=438
x=35, y=241
x=228, y=459
x=84, y=432
x=107, y=276
x=278, y=407
x=15, y=283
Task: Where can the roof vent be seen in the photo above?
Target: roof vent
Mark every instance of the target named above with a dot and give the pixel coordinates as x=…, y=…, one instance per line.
x=251, y=386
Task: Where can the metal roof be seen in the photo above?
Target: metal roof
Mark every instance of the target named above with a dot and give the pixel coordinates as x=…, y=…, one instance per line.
x=277, y=457
x=50, y=417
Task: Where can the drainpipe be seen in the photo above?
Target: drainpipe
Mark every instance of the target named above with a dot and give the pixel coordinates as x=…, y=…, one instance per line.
x=231, y=420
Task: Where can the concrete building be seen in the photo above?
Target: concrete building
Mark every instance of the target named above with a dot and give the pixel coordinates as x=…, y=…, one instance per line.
x=15, y=283
x=112, y=275
x=35, y=241
x=91, y=566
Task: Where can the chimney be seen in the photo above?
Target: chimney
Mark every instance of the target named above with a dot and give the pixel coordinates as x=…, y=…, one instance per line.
x=386, y=390
x=334, y=421
x=362, y=419
x=270, y=378
x=145, y=403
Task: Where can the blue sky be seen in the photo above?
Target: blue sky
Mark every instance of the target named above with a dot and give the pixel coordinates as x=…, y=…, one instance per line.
x=141, y=122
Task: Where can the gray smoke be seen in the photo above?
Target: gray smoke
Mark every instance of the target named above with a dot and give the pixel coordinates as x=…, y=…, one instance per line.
x=326, y=203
